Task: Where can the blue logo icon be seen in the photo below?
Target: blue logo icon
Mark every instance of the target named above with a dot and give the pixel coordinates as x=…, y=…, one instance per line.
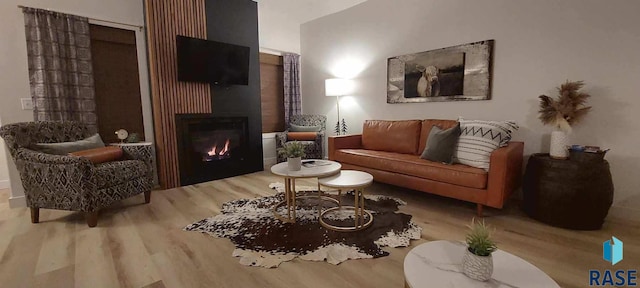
x=612, y=250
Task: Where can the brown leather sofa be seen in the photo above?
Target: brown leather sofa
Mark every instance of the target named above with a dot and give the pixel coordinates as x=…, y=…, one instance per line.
x=390, y=151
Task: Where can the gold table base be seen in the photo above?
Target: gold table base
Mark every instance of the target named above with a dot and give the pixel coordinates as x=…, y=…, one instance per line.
x=291, y=200
x=359, y=214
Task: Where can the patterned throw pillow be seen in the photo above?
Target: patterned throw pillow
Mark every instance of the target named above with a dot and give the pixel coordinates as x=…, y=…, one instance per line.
x=479, y=138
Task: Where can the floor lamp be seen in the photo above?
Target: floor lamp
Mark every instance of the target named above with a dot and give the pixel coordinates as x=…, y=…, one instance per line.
x=338, y=87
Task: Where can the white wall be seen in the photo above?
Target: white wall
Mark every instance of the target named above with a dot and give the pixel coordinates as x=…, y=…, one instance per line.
x=538, y=45
x=14, y=83
x=4, y=169
x=277, y=31
x=279, y=20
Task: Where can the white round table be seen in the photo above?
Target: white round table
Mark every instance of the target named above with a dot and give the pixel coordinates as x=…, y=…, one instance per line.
x=439, y=264
x=349, y=179
x=317, y=169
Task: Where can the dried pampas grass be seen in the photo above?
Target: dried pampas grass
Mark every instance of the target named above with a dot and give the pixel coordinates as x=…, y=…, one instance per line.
x=567, y=109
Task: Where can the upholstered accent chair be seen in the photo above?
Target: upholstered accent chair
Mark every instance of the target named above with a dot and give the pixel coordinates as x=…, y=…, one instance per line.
x=74, y=183
x=313, y=148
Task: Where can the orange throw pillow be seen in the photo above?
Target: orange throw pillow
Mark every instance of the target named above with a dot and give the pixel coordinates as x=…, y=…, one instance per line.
x=100, y=155
x=302, y=136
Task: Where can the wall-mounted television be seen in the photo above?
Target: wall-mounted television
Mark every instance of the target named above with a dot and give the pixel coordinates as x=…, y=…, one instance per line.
x=213, y=62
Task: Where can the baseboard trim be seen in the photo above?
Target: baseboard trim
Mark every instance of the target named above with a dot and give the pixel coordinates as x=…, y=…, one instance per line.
x=4, y=184
x=268, y=162
x=271, y=135
x=17, y=202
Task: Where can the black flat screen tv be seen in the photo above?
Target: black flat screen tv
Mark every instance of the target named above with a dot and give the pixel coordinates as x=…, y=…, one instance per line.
x=212, y=62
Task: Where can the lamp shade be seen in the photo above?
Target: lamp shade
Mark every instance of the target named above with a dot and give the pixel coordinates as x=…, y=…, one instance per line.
x=337, y=87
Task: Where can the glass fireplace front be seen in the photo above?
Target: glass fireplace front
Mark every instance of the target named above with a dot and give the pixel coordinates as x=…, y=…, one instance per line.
x=210, y=147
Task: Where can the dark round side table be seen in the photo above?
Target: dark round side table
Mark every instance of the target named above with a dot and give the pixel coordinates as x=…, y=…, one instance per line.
x=573, y=194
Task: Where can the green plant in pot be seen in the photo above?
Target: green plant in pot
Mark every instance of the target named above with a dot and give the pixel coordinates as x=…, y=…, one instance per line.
x=133, y=138
x=294, y=151
x=477, y=262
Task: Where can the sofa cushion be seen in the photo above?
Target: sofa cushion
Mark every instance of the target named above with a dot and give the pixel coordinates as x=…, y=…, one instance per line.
x=118, y=172
x=427, y=124
x=441, y=144
x=408, y=164
x=391, y=136
x=501, y=131
x=479, y=139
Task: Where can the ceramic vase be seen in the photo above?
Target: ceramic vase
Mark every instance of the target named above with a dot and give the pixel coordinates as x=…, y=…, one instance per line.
x=558, y=146
x=477, y=267
x=294, y=164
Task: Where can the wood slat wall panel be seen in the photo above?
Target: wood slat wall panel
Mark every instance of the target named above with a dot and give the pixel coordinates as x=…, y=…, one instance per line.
x=165, y=20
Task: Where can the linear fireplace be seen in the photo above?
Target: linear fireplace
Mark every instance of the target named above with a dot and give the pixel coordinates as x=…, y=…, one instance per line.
x=211, y=147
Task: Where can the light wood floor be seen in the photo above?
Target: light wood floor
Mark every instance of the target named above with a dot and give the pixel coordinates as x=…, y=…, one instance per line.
x=137, y=245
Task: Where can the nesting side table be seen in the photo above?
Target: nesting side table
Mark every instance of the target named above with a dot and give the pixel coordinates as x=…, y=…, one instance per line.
x=349, y=179
x=323, y=169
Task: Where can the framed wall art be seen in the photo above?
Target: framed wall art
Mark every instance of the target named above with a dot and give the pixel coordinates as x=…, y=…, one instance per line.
x=457, y=73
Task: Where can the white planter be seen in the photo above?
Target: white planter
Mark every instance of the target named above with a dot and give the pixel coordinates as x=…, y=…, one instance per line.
x=477, y=267
x=558, y=146
x=295, y=164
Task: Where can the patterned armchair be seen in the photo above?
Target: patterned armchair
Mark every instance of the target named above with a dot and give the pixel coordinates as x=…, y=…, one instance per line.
x=70, y=182
x=313, y=149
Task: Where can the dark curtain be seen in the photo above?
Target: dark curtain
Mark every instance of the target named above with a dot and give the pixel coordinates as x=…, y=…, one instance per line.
x=292, y=101
x=60, y=70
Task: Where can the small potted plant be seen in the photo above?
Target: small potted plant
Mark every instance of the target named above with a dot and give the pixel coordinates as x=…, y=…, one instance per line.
x=294, y=151
x=477, y=262
x=133, y=138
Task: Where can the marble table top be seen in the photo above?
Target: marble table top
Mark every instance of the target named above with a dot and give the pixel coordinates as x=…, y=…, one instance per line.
x=439, y=264
x=324, y=168
x=347, y=179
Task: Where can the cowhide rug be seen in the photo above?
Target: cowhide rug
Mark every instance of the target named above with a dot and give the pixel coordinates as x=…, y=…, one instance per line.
x=262, y=240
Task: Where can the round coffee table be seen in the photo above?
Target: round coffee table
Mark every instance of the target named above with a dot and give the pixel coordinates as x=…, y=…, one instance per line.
x=439, y=264
x=320, y=168
x=349, y=179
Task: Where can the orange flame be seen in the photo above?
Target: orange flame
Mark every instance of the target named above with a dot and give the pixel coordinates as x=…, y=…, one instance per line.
x=226, y=148
x=222, y=152
x=212, y=152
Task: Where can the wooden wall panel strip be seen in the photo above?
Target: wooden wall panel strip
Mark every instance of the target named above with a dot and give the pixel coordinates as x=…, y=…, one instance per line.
x=165, y=20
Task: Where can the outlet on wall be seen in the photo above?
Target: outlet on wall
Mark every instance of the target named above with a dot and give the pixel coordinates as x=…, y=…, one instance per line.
x=27, y=103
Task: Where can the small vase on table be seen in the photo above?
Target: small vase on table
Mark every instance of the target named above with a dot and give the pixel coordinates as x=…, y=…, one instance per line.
x=295, y=164
x=558, y=145
x=477, y=262
x=563, y=112
x=294, y=151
